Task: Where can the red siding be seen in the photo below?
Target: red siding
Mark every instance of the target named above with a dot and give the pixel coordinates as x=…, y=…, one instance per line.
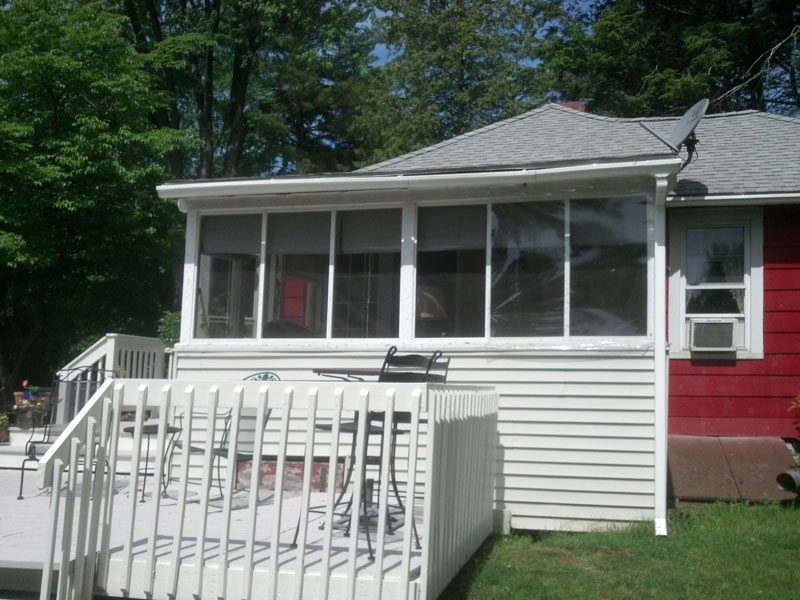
x=750, y=397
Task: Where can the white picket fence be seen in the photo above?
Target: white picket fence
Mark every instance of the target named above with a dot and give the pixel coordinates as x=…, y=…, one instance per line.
x=190, y=543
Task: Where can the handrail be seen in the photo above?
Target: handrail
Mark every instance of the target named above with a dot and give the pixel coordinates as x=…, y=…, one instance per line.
x=114, y=355
x=126, y=355
x=75, y=387
x=92, y=356
x=76, y=429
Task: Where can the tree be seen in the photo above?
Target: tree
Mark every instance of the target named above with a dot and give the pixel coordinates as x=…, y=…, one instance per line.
x=454, y=66
x=648, y=57
x=263, y=85
x=308, y=89
x=85, y=243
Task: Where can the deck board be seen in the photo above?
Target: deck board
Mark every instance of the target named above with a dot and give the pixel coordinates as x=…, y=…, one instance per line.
x=23, y=528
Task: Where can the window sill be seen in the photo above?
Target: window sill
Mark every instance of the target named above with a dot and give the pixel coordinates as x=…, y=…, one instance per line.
x=550, y=345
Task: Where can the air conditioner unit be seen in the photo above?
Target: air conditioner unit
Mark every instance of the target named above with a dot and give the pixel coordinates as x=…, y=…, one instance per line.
x=712, y=335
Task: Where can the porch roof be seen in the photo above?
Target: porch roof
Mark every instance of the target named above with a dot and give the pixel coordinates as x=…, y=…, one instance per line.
x=742, y=158
x=744, y=153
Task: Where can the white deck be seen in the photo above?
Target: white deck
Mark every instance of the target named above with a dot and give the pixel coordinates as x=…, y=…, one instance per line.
x=23, y=523
x=23, y=530
x=119, y=546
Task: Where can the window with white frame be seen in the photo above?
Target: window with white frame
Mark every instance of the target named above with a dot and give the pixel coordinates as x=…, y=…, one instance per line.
x=571, y=269
x=716, y=283
x=227, y=288
x=296, y=297
x=526, y=269
x=366, y=283
x=451, y=271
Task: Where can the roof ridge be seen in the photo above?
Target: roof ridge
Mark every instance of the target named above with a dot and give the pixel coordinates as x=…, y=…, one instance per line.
x=787, y=118
x=728, y=114
x=581, y=113
x=731, y=113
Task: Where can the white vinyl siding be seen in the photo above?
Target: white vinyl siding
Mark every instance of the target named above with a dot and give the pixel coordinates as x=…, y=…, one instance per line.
x=575, y=430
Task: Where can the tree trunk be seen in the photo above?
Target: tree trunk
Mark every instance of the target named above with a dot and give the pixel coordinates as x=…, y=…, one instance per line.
x=202, y=70
x=167, y=117
x=237, y=124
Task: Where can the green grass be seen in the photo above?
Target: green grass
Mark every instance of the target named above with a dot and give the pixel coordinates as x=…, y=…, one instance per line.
x=730, y=551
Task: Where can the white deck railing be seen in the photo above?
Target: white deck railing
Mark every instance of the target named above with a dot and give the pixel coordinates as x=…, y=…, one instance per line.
x=194, y=542
x=114, y=355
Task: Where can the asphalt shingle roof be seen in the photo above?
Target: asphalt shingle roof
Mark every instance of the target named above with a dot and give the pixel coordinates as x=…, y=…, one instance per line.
x=550, y=134
x=746, y=152
x=738, y=153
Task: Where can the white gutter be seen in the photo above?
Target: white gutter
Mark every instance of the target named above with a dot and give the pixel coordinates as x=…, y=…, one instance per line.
x=322, y=184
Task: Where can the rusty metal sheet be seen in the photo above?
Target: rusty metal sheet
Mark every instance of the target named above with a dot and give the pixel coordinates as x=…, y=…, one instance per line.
x=755, y=462
x=698, y=469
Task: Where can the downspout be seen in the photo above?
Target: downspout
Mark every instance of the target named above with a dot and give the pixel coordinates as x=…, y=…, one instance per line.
x=660, y=355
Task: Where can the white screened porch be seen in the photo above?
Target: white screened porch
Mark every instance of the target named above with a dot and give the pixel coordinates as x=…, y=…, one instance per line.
x=118, y=545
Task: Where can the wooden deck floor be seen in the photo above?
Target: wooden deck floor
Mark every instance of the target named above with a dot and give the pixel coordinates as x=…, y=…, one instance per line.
x=23, y=525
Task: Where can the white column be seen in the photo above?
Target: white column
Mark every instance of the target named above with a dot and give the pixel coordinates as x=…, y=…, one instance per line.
x=190, y=275
x=408, y=256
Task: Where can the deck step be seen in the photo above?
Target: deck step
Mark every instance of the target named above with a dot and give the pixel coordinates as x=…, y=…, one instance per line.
x=21, y=581
x=12, y=453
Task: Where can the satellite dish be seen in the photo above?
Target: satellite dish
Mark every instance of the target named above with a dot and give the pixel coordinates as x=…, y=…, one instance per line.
x=684, y=129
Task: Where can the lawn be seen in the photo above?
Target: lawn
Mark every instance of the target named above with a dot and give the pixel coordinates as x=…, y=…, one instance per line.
x=729, y=551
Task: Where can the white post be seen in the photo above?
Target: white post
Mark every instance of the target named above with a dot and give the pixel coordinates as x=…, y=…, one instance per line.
x=111, y=356
x=190, y=274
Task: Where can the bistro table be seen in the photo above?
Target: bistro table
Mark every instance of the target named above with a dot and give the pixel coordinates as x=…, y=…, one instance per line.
x=351, y=428
x=149, y=430
x=348, y=373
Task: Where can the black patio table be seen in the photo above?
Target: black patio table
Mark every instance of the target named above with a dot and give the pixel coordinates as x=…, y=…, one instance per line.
x=358, y=374
x=151, y=429
x=348, y=373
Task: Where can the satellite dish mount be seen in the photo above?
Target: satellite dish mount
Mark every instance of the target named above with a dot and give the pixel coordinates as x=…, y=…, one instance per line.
x=683, y=132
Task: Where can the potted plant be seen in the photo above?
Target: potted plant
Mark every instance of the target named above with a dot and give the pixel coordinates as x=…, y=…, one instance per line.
x=3, y=428
x=30, y=406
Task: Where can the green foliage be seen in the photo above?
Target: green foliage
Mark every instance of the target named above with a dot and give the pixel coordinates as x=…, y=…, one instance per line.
x=646, y=57
x=84, y=242
x=309, y=85
x=455, y=66
x=169, y=327
x=264, y=86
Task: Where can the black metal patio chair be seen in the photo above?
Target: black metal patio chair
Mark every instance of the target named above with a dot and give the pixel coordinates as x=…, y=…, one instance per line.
x=396, y=368
x=41, y=436
x=244, y=451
